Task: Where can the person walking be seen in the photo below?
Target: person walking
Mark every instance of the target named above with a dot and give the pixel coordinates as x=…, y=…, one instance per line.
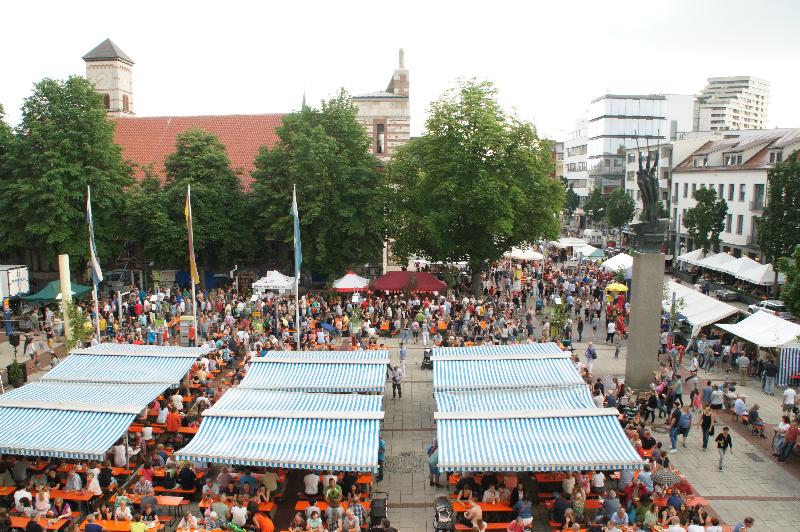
x=617, y=346
x=685, y=423
x=789, y=441
x=611, y=328
x=397, y=378
x=770, y=373
x=674, y=419
x=381, y=457
x=591, y=356
x=707, y=425
x=744, y=364
x=580, y=329
x=724, y=443
x=403, y=356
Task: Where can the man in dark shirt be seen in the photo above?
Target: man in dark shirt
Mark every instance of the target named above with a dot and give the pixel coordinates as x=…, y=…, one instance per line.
x=387, y=526
x=770, y=373
x=648, y=441
x=560, y=506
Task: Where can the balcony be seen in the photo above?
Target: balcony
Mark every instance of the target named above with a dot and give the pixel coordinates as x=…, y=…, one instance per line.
x=757, y=205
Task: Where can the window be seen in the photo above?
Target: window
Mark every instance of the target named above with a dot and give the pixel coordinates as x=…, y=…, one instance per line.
x=776, y=156
x=618, y=163
x=106, y=101
x=576, y=150
x=730, y=192
x=125, y=103
x=699, y=162
x=732, y=159
x=721, y=192
x=694, y=188
x=631, y=157
x=686, y=190
x=739, y=224
x=728, y=222
x=570, y=167
x=638, y=194
x=631, y=176
x=380, y=138
x=758, y=196
x=702, y=185
x=742, y=191
x=683, y=217
x=676, y=190
x=582, y=166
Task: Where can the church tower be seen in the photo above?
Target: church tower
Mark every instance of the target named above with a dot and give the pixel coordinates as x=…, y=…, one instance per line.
x=110, y=69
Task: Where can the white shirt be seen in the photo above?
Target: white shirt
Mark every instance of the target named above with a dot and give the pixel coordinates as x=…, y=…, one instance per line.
x=147, y=433
x=311, y=482
x=20, y=494
x=789, y=396
x=568, y=484
x=119, y=455
x=696, y=528
x=611, y=327
x=325, y=478
x=239, y=515
x=94, y=487
x=675, y=528
x=598, y=480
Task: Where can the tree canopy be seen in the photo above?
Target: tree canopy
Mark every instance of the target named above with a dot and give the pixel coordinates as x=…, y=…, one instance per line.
x=790, y=293
x=595, y=206
x=474, y=185
x=63, y=143
x=779, y=228
x=706, y=220
x=571, y=201
x=340, y=192
x=620, y=209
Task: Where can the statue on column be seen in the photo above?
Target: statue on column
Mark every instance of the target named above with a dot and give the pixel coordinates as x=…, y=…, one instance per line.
x=651, y=230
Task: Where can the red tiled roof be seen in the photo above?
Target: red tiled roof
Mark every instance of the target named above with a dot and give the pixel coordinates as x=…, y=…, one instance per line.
x=149, y=140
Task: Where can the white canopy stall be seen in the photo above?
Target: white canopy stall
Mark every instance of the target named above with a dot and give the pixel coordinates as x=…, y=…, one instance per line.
x=764, y=329
x=739, y=266
x=622, y=260
x=698, y=309
x=692, y=257
x=526, y=254
x=351, y=283
x=763, y=275
x=274, y=281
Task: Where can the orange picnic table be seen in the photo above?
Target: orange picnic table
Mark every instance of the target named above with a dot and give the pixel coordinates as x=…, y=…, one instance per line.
x=7, y=490
x=38, y=465
x=588, y=504
x=262, y=506
x=161, y=500
x=160, y=472
x=71, y=495
x=110, y=525
x=188, y=430
x=459, y=506
x=690, y=500
x=322, y=505
x=17, y=521
x=550, y=477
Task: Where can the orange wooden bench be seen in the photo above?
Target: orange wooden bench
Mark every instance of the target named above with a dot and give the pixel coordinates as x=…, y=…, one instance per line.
x=489, y=526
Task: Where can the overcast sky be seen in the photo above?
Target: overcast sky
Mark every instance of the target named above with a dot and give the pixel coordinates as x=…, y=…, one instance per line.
x=548, y=59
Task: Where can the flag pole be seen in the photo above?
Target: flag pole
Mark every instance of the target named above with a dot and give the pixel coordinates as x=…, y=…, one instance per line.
x=95, y=263
x=192, y=259
x=298, y=259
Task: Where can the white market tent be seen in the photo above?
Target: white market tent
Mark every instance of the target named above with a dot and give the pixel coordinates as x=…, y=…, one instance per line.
x=739, y=266
x=623, y=260
x=698, y=309
x=570, y=242
x=763, y=275
x=523, y=254
x=350, y=283
x=715, y=262
x=589, y=252
x=764, y=329
x=692, y=257
x=274, y=281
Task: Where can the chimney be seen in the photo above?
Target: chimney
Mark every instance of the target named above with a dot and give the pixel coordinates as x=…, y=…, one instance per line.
x=402, y=59
x=399, y=82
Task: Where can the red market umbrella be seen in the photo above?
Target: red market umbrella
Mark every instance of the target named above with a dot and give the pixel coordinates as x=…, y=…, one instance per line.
x=411, y=281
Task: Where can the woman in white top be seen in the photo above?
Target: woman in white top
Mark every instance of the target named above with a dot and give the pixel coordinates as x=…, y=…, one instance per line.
x=42, y=501
x=92, y=484
x=780, y=432
x=123, y=512
x=598, y=482
x=189, y=522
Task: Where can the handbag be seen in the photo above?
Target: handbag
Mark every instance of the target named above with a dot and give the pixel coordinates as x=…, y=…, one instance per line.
x=711, y=431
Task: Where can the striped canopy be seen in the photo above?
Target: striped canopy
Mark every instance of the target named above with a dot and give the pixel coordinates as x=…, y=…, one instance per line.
x=321, y=431
x=85, y=392
x=355, y=356
x=503, y=374
x=316, y=377
x=515, y=400
x=568, y=443
x=121, y=369
x=143, y=350
x=548, y=348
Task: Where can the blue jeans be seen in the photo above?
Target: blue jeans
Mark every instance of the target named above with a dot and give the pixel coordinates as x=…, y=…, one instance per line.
x=786, y=450
x=673, y=437
x=404, y=338
x=769, y=384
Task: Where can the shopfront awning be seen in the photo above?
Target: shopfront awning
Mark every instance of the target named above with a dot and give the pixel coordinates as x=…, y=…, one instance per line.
x=121, y=368
x=565, y=440
x=354, y=356
x=321, y=431
x=58, y=392
x=764, y=329
x=316, y=376
x=143, y=350
x=566, y=397
x=492, y=374
x=500, y=351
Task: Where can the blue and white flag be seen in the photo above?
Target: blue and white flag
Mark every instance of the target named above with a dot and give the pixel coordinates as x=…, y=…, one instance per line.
x=298, y=253
x=97, y=273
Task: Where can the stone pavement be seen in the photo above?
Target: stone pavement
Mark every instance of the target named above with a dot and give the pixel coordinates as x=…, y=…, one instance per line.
x=752, y=483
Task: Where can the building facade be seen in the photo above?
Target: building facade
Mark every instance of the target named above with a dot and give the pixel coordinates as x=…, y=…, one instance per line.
x=386, y=115
x=576, y=160
x=558, y=159
x=732, y=103
x=735, y=166
x=111, y=71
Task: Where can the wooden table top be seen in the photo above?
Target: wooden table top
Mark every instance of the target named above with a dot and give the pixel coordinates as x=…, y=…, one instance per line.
x=116, y=526
x=17, y=521
x=71, y=495
x=459, y=506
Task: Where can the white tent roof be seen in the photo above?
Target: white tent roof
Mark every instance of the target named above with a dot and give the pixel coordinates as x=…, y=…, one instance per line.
x=714, y=262
x=569, y=242
x=763, y=275
x=623, y=260
x=698, y=309
x=692, y=257
x=740, y=265
x=588, y=251
x=523, y=254
x=351, y=283
x=764, y=329
x=274, y=280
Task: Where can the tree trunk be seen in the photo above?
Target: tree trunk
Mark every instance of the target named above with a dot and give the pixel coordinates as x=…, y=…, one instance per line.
x=476, y=279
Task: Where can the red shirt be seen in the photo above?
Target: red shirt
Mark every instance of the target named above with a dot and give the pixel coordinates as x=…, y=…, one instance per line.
x=173, y=421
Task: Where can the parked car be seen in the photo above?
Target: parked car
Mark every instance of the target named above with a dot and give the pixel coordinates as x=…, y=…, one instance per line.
x=771, y=305
x=726, y=294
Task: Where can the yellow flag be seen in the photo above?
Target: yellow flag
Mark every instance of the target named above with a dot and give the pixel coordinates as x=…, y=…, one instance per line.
x=187, y=211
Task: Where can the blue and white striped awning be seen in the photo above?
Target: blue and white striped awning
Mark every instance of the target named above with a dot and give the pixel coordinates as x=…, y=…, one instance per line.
x=121, y=368
x=58, y=392
x=289, y=429
x=503, y=374
x=111, y=348
x=568, y=442
x=68, y=434
x=569, y=397
x=354, y=356
x=315, y=376
x=547, y=348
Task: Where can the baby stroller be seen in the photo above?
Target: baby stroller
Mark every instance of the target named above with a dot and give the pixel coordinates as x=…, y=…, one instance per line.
x=379, y=509
x=427, y=363
x=444, y=519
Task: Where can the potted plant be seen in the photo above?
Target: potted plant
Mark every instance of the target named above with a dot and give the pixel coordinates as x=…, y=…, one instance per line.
x=16, y=374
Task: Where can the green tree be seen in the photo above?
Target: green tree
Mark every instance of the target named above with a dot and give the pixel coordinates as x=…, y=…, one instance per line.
x=6, y=139
x=218, y=210
x=474, y=185
x=63, y=143
x=790, y=293
x=595, y=206
x=620, y=209
x=571, y=201
x=777, y=229
x=340, y=192
x=706, y=220
x=150, y=225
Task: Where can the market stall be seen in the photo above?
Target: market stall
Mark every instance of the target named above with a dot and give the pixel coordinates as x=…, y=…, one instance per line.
x=274, y=281
x=411, y=281
x=526, y=254
x=351, y=283
x=697, y=309
x=621, y=260
x=714, y=262
x=764, y=329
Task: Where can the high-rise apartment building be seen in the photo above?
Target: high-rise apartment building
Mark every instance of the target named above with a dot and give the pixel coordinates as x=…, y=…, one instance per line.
x=738, y=102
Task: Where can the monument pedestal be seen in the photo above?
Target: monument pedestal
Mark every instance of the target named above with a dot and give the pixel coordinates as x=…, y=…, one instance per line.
x=645, y=321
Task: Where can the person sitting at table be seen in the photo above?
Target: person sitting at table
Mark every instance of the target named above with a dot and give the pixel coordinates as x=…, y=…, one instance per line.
x=646, y=478
x=104, y=513
x=503, y=495
x=262, y=495
x=517, y=525
x=230, y=490
x=560, y=506
x=188, y=522
x=646, y=513
x=143, y=487
x=755, y=420
x=312, y=507
x=611, y=504
x=674, y=525
x=138, y=524
x=491, y=495
x=739, y=406
x=148, y=514
x=237, y=514
x=667, y=514
x=106, y=477
x=41, y=502
x=121, y=496
x=248, y=478
x=466, y=480
x=523, y=507
x=314, y=523
x=5, y=520
x=334, y=518
x=675, y=500
x=60, y=509
x=91, y=525
x=269, y=479
x=598, y=482
x=465, y=494
x=714, y=526
x=471, y=514
x=220, y=507
x=186, y=477
x=25, y=508
x=213, y=521
x=147, y=470
x=74, y=482
x=92, y=484
x=123, y=512
x=620, y=517
x=174, y=420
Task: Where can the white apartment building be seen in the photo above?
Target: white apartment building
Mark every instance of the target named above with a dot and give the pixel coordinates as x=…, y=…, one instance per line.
x=736, y=167
x=619, y=122
x=575, y=159
x=730, y=103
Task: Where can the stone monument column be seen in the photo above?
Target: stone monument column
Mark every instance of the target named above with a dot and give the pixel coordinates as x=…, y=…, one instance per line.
x=66, y=293
x=645, y=321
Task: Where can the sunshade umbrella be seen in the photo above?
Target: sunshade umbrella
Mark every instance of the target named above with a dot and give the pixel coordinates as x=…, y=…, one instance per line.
x=666, y=478
x=616, y=287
